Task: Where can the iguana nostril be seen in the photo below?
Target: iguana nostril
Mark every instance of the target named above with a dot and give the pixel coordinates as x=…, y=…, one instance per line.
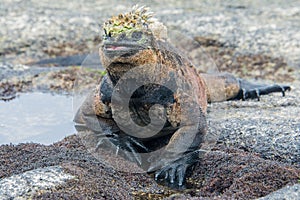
x=122, y=36
x=136, y=35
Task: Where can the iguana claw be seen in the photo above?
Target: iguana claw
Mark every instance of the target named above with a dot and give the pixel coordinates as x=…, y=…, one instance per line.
x=123, y=144
x=174, y=172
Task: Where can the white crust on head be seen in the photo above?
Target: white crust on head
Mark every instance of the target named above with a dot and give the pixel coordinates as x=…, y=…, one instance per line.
x=159, y=30
x=137, y=18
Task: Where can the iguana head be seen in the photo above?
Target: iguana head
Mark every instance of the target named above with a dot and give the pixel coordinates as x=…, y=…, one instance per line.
x=130, y=38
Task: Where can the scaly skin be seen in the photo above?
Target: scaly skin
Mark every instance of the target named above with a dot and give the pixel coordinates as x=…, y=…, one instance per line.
x=132, y=40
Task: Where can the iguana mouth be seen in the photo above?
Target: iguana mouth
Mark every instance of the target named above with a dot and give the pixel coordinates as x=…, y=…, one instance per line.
x=120, y=47
x=115, y=48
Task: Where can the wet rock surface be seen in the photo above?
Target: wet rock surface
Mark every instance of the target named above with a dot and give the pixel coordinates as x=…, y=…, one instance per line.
x=257, y=151
x=59, y=80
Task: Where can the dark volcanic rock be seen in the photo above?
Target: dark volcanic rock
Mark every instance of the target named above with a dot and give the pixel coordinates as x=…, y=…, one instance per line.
x=223, y=173
x=93, y=178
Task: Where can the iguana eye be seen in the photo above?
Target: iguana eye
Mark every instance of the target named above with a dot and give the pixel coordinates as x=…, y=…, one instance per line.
x=105, y=32
x=136, y=35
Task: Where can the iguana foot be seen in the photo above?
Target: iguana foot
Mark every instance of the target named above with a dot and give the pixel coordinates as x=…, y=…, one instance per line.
x=254, y=91
x=124, y=145
x=175, y=172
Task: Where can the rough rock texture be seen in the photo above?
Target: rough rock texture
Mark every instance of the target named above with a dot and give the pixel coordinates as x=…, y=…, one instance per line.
x=93, y=180
x=224, y=173
x=270, y=127
x=250, y=26
x=39, y=29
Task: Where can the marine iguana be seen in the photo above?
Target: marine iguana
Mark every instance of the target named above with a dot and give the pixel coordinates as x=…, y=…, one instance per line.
x=135, y=50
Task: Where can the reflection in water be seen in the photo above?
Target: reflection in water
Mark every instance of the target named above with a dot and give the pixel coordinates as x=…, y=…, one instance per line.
x=36, y=117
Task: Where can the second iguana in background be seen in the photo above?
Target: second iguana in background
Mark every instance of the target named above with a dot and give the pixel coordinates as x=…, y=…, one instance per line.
x=135, y=49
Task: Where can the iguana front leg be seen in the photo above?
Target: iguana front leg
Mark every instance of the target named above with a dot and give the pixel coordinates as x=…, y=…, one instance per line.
x=172, y=166
x=95, y=115
x=182, y=151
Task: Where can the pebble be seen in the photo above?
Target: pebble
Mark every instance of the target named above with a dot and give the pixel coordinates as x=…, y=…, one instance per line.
x=288, y=192
x=31, y=182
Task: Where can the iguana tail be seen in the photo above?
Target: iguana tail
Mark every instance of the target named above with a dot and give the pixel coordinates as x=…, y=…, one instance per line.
x=224, y=86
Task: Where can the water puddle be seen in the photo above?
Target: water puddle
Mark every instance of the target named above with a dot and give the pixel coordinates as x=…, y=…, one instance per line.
x=36, y=117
